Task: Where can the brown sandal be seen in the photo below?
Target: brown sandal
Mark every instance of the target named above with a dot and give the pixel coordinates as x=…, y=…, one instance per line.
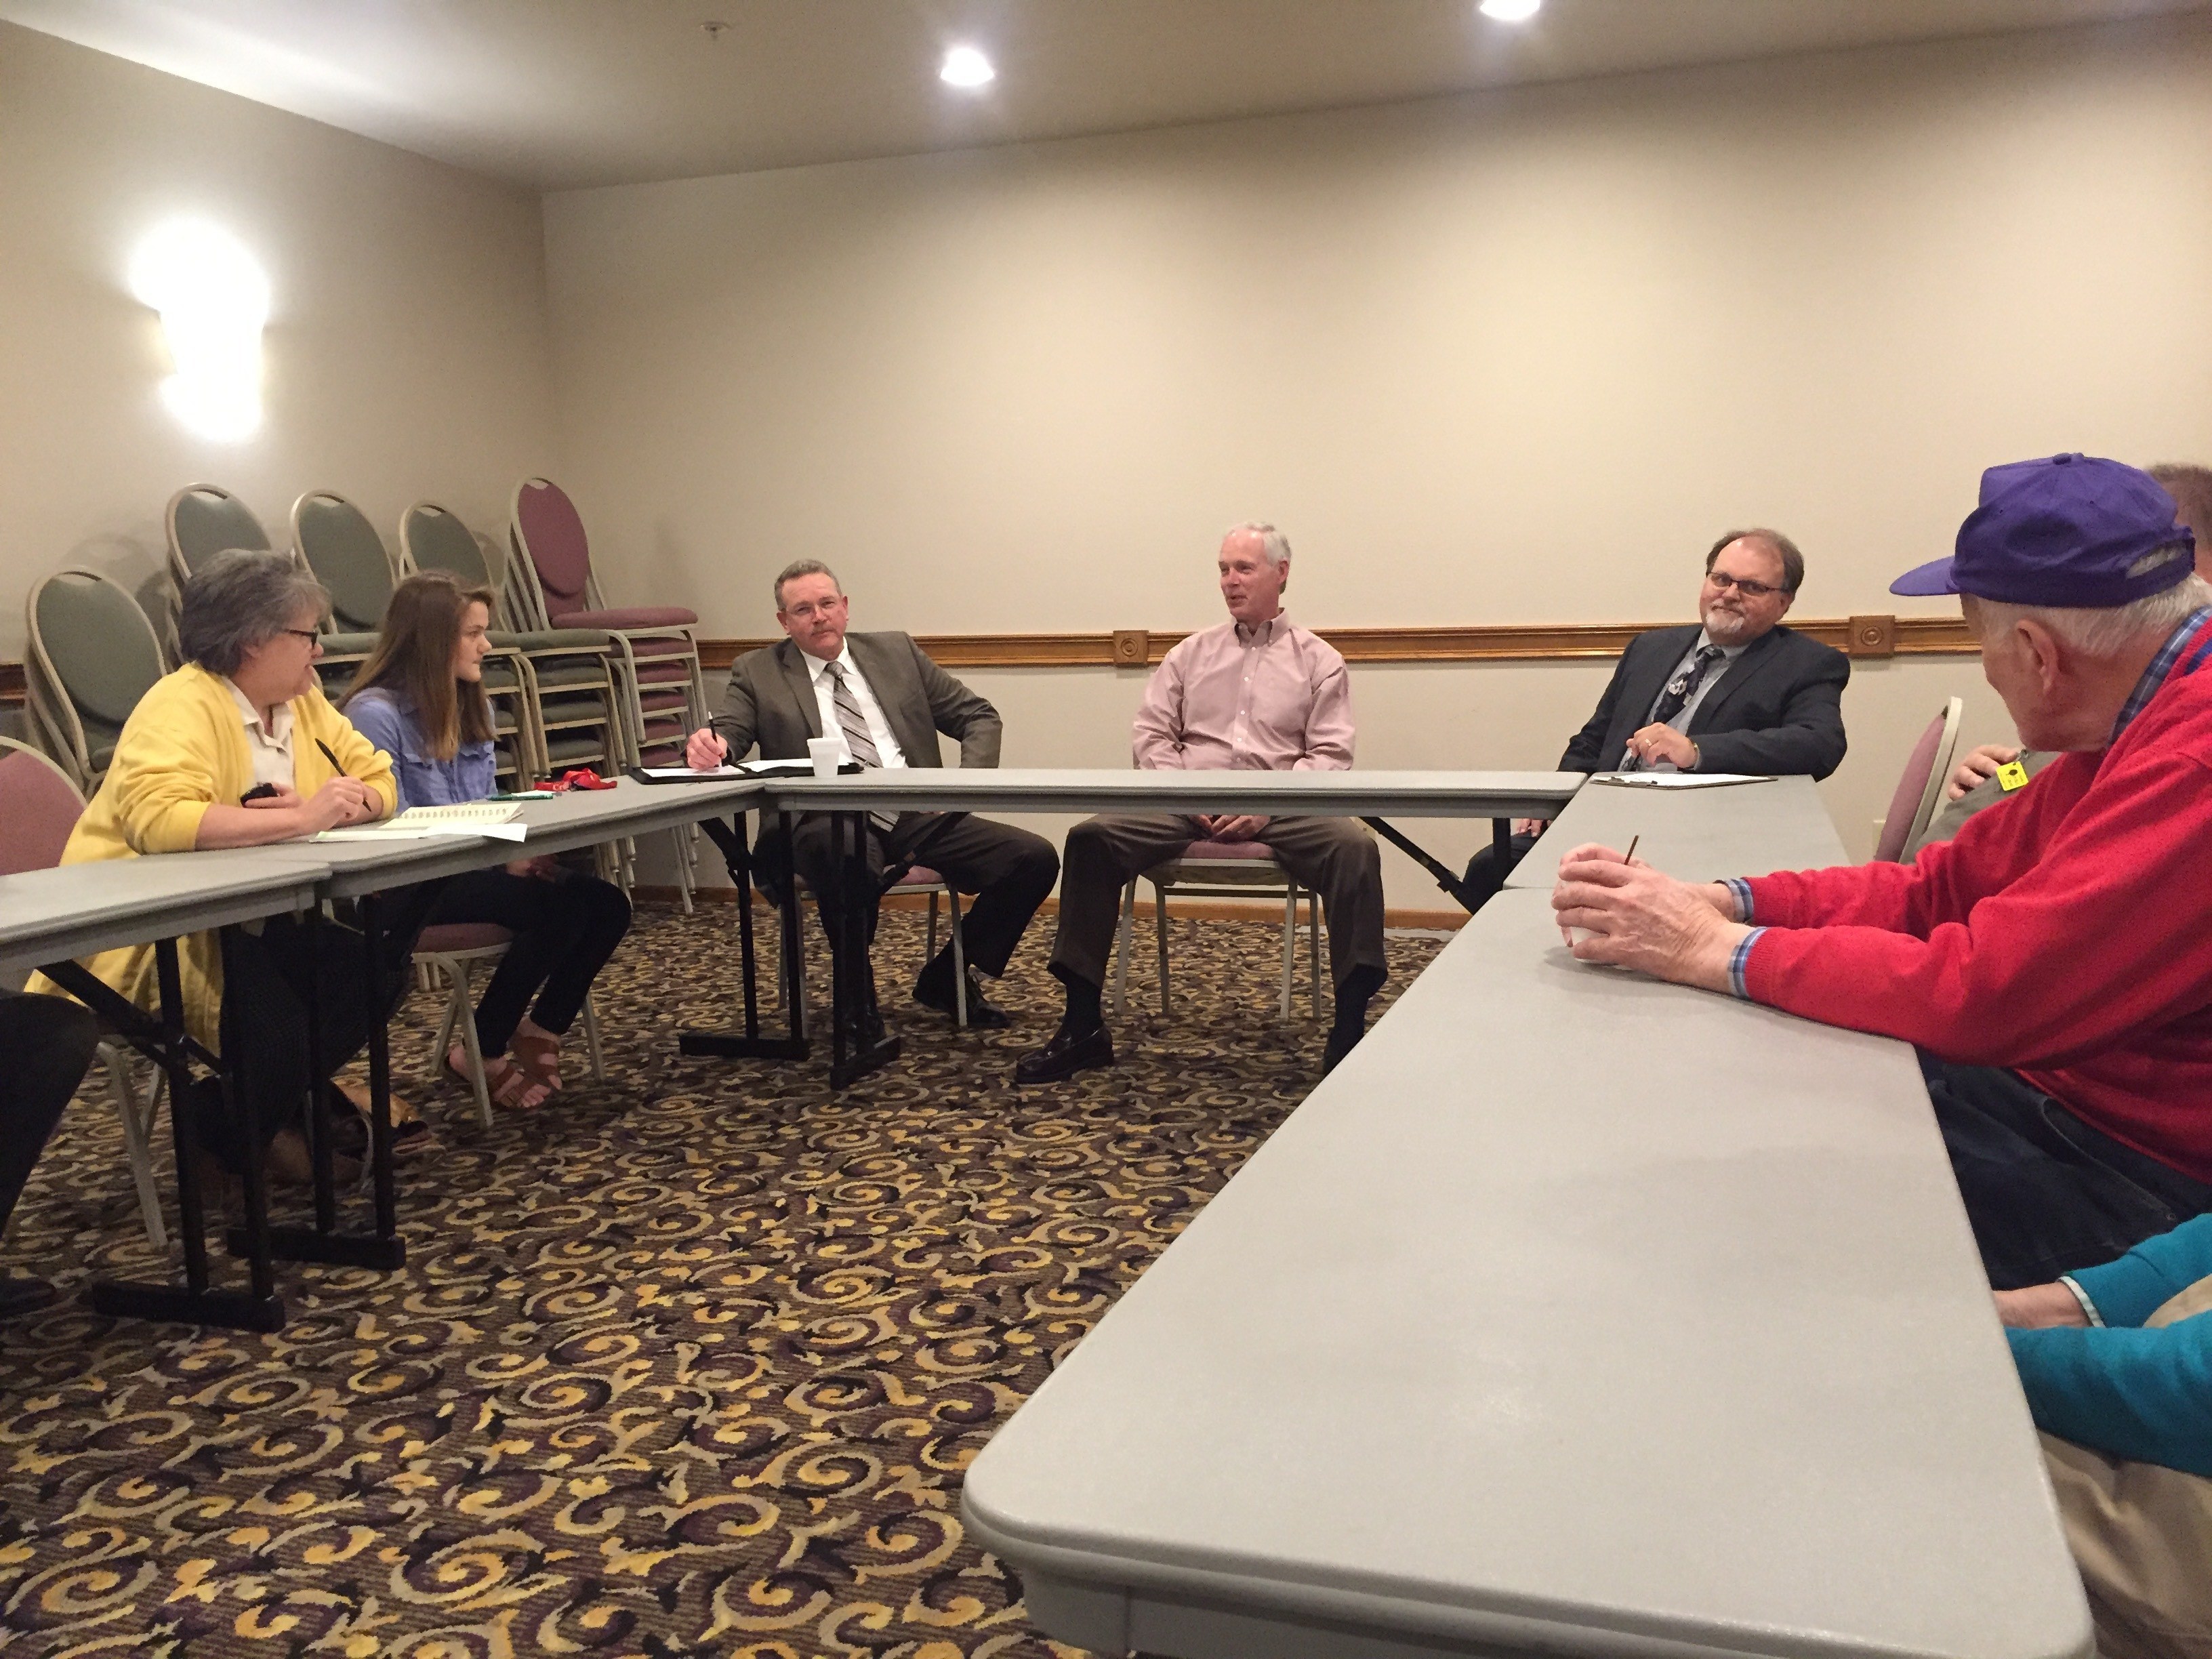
x=540, y=1055
x=508, y=1083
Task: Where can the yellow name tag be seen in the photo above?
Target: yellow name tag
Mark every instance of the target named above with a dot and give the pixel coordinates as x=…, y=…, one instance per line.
x=2011, y=775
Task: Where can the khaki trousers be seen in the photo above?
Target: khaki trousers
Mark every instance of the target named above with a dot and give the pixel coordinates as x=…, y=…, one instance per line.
x=2142, y=1535
x=1335, y=857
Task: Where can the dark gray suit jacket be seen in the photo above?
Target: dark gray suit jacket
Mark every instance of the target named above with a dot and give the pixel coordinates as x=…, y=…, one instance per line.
x=1778, y=708
x=770, y=701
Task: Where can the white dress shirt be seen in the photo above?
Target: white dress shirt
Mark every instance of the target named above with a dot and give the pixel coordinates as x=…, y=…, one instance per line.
x=872, y=712
x=270, y=748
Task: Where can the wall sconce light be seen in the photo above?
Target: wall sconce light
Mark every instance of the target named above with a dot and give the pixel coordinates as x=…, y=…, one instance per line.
x=214, y=301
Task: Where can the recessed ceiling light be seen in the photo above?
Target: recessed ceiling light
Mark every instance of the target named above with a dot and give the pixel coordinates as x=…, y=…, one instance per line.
x=1510, y=11
x=966, y=67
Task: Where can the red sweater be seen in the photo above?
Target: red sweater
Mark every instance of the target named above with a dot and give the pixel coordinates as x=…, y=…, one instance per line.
x=2066, y=933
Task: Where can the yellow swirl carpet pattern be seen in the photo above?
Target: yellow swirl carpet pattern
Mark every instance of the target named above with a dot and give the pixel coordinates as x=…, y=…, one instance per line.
x=686, y=1363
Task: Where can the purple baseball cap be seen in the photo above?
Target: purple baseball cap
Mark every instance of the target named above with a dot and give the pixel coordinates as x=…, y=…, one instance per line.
x=2073, y=531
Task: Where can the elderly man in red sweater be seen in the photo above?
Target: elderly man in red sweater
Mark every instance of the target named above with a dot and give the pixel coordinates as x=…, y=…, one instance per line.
x=2053, y=964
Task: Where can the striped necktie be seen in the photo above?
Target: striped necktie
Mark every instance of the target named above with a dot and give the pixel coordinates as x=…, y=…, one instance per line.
x=854, y=725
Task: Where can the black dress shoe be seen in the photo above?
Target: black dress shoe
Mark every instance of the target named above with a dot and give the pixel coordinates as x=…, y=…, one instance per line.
x=1066, y=1056
x=25, y=1295
x=982, y=1016
x=1342, y=1039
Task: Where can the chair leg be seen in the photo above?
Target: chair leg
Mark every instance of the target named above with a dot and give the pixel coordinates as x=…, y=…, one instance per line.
x=591, y=1041
x=134, y=1139
x=1122, y=947
x=461, y=1017
x=959, y=954
x=1160, y=937
x=446, y=1021
x=1290, y=951
x=929, y=943
x=1313, y=947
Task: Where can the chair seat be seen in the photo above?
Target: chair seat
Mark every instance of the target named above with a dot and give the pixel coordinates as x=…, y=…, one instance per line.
x=640, y=616
x=918, y=876
x=551, y=639
x=1220, y=864
x=452, y=936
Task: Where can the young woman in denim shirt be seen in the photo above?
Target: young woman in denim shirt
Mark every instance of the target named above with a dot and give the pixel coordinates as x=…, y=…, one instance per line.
x=420, y=698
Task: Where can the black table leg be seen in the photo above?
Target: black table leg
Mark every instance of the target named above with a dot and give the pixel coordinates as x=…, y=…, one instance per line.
x=855, y=1049
x=750, y=1044
x=168, y=1044
x=318, y=1095
x=1501, y=841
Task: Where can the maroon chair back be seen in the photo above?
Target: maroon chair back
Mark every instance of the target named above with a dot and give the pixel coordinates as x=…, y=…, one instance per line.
x=40, y=806
x=553, y=538
x=1905, y=805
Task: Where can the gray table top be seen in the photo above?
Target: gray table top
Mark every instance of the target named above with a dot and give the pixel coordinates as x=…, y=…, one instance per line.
x=1017, y=789
x=1572, y=1312
x=78, y=910
x=1698, y=834
x=584, y=818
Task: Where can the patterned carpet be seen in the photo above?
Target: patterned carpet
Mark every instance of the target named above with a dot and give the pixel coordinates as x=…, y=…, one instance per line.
x=687, y=1363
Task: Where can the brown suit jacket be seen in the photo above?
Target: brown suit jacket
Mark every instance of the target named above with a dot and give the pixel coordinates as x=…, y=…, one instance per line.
x=770, y=701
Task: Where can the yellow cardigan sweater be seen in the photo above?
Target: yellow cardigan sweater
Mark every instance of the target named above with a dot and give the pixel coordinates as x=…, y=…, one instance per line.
x=182, y=751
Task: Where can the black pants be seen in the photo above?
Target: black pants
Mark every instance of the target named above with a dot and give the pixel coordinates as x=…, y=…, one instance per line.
x=1009, y=870
x=2045, y=1193
x=565, y=927
x=265, y=991
x=1486, y=872
x=45, y=1046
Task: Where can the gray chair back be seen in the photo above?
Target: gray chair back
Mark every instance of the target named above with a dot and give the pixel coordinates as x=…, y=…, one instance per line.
x=347, y=555
x=92, y=655
x=433, y=538
x=205, y=520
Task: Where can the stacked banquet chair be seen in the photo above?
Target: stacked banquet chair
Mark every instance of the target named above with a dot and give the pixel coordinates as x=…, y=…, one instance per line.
x=659, y=686
x=202, y=520
x=41, y=804
x=342, y=549
x=90, y=656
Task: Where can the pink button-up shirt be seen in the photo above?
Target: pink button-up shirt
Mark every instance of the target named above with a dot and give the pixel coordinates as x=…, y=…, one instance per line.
x=1273, y=698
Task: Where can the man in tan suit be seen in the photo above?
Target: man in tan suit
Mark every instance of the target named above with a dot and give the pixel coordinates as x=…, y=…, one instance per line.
x=880, y=698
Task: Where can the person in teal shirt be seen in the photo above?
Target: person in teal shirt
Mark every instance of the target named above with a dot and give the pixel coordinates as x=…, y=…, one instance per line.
x=2117, y=1365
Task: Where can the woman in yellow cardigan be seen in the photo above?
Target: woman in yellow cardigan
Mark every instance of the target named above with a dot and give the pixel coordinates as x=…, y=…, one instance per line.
x=230, y=750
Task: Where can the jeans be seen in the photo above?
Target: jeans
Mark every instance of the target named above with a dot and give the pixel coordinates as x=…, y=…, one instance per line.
x=2045, y=1192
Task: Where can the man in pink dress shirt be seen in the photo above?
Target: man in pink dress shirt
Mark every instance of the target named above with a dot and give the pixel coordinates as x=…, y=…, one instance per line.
x=1257, y=693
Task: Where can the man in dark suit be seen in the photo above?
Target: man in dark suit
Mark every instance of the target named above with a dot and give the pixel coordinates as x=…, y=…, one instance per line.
x=884, y=703
x=1735, y=692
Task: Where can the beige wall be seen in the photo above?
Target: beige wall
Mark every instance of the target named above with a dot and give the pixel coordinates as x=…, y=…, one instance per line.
x=406, y=352
x=1506, y=360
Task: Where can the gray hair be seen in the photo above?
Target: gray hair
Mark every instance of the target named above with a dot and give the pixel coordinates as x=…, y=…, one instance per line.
x=238, y=600
x=1275, y=546
x=798, y=568
x=2107, y=633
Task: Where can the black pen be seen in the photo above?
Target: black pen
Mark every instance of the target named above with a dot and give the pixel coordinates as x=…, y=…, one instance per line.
x=331, y=754
x=1629, y=857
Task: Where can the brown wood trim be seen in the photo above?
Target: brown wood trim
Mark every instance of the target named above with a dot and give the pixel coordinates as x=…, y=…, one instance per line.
x=1907, y=636
x=1197, y=909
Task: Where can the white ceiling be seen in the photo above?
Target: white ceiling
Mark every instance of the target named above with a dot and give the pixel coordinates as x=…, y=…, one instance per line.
x=560, y=93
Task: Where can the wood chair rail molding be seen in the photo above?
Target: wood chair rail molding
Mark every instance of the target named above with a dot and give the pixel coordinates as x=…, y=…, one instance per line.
x=1134, y=648
x=1131, y=648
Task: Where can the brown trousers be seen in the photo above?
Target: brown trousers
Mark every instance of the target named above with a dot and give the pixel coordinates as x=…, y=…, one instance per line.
x=2142, y=1535
x=1335, y=857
